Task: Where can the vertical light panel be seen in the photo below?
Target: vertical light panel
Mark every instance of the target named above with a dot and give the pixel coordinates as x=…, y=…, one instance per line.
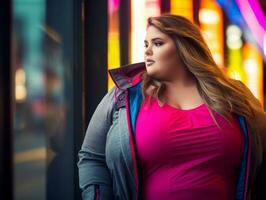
x=234, y=45
x=264, y=44
x=253, y=66
x=182, y=7
x=152, y=8
x=211, y=24
x=140, y=11
x=113, y=38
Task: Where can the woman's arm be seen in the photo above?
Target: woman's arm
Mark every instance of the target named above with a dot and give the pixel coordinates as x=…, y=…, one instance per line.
x=94, y=178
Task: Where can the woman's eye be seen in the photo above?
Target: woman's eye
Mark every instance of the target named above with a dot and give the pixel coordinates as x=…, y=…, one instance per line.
x=158, y=43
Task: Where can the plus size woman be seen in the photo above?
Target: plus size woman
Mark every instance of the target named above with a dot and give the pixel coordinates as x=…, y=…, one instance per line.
x=174, y=127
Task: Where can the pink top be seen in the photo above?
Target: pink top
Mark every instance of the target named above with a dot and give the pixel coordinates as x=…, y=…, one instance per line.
x=183, y=155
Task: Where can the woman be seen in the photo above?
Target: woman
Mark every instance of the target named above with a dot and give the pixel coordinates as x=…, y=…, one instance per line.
x=174, y=126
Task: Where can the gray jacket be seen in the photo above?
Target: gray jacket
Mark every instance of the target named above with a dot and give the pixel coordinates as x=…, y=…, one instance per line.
x=108, y=166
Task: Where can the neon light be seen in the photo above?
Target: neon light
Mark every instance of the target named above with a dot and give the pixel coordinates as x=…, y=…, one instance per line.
x=264, y=44
x=113, y=38
x=253, y=66
x=182, y=7
x=233, y=37
x=140, y=11
x=254, y=4
x=211, y=24
x=234, y=44
x=252, y=21
x=113, y=5
x=152, y=8
x=20, y=87
x=209, y=16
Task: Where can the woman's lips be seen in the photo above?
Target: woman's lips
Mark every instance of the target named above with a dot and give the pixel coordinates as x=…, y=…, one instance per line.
x=149, y=63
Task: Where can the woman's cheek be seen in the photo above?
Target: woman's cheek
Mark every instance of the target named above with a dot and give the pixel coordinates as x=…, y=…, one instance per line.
x=165, y=52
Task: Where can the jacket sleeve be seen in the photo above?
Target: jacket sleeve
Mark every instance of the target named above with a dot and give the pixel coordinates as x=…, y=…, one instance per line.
x=94, y=178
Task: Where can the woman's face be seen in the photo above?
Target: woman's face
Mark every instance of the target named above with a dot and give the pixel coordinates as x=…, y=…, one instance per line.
x=160, y=48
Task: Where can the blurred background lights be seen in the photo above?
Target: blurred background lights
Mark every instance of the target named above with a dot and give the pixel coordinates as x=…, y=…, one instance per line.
x=208, y=16
x=20, y=88
x=234, y=34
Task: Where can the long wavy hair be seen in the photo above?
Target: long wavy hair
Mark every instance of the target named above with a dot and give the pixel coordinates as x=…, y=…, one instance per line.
x=220, y=93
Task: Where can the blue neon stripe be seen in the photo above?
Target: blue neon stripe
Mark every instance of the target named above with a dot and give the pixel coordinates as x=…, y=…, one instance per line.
x=240, y=189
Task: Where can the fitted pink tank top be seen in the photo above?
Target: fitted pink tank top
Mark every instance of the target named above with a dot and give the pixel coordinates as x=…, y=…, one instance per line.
x=183, y=155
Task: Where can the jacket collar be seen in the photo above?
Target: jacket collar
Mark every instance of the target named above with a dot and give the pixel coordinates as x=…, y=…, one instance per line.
x=127, y=75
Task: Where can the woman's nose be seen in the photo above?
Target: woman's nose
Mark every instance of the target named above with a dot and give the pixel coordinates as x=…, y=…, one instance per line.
x=148, y=51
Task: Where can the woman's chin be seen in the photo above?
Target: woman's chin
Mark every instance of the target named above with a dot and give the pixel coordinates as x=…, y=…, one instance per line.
x=151, y=73
x=150, y=68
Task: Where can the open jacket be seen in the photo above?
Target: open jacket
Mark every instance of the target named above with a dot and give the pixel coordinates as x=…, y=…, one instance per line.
x=108, y=164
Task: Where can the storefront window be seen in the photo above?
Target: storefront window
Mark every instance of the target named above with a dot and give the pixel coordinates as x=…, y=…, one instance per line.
x=44, y=158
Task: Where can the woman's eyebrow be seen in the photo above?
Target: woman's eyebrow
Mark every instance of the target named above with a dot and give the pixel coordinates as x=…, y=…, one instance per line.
x=153, y=39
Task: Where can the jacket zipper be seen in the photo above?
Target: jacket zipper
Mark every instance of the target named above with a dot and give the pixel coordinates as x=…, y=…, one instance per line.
x=131, y=142
x=97, y=192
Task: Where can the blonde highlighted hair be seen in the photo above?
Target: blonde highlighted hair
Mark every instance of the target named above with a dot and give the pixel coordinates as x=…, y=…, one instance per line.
x=220, y=93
